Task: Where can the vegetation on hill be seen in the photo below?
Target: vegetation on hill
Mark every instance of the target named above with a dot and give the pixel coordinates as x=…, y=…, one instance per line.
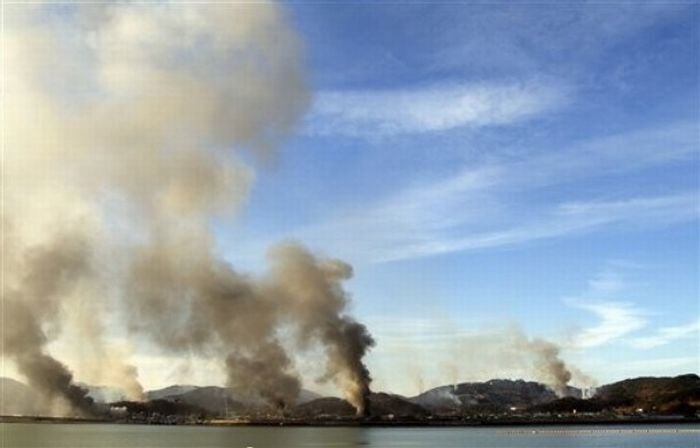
x=639, y=396
x=664, y=395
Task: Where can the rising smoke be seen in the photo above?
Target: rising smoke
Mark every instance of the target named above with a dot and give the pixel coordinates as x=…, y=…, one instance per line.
x=548, y=365
x=508, y=352
x=123, y=124
x=30, y=309
x=312, y=289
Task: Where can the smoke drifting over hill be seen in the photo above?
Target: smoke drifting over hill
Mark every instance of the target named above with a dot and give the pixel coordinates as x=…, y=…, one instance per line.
x=550, y=367
x=122, y=128
x=477, y=354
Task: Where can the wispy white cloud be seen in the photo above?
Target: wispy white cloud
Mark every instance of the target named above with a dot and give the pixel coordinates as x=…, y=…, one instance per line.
x=617, y=319
x=415, y=231
x=564, y=220
x=606, y=282
x=374, y=113
x=666, y=335
x=476, y=207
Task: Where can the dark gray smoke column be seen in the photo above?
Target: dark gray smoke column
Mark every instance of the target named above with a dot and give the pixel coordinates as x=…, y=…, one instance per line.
x=187, y=301
x=264, y=373
x=312, y=290
x=552, y=369
x=34, y=304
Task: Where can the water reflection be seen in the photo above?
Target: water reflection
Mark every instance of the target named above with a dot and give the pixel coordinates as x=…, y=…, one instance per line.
x=134, y=436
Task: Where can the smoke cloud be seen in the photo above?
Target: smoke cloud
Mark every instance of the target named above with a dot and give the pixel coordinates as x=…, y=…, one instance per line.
x=312, y=288
x=31, y=305
x=514, y=352
x=124, y=124
x=505, y=353
x=549, y=367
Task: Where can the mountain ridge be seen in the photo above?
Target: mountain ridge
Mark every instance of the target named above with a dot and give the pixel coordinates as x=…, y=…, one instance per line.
x=678, y=395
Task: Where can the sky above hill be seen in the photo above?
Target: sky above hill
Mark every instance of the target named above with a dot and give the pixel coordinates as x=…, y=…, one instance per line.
x=484, y=166
x=495, y=173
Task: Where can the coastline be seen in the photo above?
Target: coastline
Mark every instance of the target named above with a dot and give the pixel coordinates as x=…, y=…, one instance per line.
x=373, y=423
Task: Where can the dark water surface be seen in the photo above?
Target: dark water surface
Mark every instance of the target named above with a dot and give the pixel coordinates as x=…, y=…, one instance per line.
x=32, y=435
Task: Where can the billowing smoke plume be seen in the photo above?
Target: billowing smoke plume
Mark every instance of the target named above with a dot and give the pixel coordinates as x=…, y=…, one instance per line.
x=32, y=305
x=312, y=290
x=548, y=365
x=123, y=125
x=186, y=300
x=264, y=373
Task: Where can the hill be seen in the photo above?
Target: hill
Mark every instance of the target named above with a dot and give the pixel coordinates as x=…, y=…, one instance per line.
x=665, y=395
x=176, y=389
x=215, y=400
x=490, y=396
x=324, y=407
x=380, y=405
x=645, y=396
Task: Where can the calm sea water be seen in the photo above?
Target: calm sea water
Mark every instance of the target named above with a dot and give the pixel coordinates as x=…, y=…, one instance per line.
x=21, y=435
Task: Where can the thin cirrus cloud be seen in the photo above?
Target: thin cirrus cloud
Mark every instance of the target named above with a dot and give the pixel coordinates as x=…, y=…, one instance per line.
x=606, y=282
x=666, y=335
x=474, y=208
x=565, y=220
x=617, y=319
x=372, y=113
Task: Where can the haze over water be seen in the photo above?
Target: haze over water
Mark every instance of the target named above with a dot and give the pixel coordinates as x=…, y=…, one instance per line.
x=118, y=436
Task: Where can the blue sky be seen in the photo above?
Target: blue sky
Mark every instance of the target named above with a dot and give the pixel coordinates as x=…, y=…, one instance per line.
x=492, y=165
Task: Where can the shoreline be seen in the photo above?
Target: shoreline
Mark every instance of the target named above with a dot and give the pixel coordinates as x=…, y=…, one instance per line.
x=369, y=423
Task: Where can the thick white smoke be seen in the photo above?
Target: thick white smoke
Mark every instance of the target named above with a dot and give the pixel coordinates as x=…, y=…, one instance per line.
x=123, y=124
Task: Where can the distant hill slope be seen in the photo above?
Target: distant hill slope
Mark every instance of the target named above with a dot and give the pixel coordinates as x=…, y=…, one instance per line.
x=173, y=390
x=326, y=406
x=214, y=399
x=19, y=399
x=490, y=396
x=380, y=404
x=306, y=395
x=384, y=404
x=661, y=394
